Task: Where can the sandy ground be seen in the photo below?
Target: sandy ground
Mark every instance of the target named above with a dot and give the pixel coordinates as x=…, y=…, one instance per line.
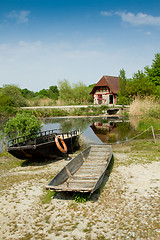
x=127, y=207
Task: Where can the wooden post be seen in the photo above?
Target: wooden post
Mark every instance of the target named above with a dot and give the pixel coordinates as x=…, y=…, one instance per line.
x=153, y=134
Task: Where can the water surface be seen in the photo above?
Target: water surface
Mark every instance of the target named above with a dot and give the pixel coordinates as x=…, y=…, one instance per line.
x=94, y=129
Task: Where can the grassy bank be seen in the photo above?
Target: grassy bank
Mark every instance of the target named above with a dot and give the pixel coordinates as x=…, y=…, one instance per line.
x=83, y=111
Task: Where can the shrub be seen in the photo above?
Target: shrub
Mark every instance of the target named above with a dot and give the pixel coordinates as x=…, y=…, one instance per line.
x=21, y=125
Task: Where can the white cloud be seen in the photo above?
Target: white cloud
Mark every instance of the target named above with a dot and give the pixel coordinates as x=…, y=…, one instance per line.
x=139, y=19
x=20, y=17
x=135, y=19
x=107, y=14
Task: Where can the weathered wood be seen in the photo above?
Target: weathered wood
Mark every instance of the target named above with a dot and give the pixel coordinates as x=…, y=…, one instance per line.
x=43, y=146
x=68, y=172
x=85, y=172
x=154, y=137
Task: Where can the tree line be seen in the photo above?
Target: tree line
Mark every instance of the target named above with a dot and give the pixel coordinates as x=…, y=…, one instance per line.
x=12, y=97
x=142, y=83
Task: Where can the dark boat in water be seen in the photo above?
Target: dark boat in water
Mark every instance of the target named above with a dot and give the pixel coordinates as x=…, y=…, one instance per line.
x=85, y=172
x=45, y=145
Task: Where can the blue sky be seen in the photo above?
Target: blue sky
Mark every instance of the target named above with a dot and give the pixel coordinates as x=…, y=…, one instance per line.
x=45, y=41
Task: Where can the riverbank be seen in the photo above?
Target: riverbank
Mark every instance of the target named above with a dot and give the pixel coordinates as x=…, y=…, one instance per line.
x=127, y=207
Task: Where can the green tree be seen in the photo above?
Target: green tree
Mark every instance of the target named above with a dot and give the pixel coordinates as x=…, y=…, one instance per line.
x=27, y=93
x=53, y=92
x=81, y=93
x=140, y=85
x=6, y=104
x=15, y=94
x=122, y=95
x=21, y=125
x=153, y=73
x=43, y=92
x=65, y=91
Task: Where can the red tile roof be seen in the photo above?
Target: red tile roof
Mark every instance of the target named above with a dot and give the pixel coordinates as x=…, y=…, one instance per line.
x=109, y=81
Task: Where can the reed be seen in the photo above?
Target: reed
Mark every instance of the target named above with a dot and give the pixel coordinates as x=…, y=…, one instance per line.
x=147, y=106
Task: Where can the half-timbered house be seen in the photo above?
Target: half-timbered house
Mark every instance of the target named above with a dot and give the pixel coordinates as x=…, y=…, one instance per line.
x=105, y=91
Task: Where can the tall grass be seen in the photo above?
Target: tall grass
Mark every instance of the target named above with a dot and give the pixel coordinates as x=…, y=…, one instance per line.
x=147, y=106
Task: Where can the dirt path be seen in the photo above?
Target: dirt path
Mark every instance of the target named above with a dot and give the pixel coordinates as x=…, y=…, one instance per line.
x=127, y=207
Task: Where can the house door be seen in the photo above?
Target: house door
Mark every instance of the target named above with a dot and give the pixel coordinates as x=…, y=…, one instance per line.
x=110, y=99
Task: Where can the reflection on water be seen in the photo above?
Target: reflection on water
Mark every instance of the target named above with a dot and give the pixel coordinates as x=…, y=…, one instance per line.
x=94, y=129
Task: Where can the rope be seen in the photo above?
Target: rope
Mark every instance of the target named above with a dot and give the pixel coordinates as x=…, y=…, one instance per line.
x=130, y=139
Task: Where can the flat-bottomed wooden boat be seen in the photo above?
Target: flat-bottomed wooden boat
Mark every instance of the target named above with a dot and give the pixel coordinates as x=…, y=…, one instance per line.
x=85, y=172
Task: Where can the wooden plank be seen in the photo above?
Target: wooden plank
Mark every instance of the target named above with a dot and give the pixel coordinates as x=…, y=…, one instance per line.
x=89, y=172
x=99, y=157
x=83, y=177
x=91, y=163
x=87, y=165
x=96, y=154
x=77, y=185
x=81, y=181
x=82, y=189
x=100, y=146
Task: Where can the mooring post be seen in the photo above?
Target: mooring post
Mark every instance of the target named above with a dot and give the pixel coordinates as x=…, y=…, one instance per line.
x=153, y=134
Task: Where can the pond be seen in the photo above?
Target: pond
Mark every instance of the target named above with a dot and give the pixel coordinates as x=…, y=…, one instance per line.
x=94, y=130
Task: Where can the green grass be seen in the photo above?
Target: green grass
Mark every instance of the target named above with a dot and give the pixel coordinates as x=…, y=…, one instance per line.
x=145, y=123
x=7, y=162
x=47, y=196
x=138, y=152
x=81, y=197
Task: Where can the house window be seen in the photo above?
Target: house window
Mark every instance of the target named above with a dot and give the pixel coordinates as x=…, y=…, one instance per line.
x=99, y=96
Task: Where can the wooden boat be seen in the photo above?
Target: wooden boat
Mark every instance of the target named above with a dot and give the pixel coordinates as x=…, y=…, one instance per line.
x=46, y=144
x=85, y=172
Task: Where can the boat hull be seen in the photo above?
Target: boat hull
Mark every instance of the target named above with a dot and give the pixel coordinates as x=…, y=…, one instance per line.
x=85, y=172
x=45, y=149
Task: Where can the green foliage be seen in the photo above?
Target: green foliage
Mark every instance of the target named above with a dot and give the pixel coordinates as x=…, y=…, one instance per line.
x=15, y=95
x=122, y=82
x=154, y=72
x=65, y=91
x=43, y=92
x=148, y=122
x=81, y=197
x=28, y=94
x=53, y=92
x=21, y=125
x=142, y=83
x=6, y=104
x=123, y=94
x=46, y=198
x=81, y=93
x=78, y=94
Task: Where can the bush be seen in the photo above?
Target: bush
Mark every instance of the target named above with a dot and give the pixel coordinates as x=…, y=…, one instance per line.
x=21, y=125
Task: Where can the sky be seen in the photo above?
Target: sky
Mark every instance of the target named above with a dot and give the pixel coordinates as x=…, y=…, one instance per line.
x=43, y=42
